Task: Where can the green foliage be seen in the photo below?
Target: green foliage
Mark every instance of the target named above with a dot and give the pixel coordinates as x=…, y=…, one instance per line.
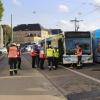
x=1, y=10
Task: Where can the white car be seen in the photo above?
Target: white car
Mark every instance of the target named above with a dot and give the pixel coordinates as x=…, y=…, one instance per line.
x=29, y=48
x=3, y=50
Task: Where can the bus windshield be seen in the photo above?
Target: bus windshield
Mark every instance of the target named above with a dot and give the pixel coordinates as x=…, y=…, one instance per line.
x=85, y=44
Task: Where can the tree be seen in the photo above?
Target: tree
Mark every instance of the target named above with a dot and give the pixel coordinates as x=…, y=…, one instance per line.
x=1, y=10
x=7, y=33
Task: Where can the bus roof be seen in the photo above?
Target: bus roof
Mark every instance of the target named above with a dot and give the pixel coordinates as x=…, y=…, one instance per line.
x=80, y=34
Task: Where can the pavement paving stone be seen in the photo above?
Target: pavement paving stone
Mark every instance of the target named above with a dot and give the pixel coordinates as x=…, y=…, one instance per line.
x=29, y=84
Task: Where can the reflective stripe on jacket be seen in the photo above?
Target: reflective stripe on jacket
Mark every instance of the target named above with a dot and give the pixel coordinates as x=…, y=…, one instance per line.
x=50, y=52
x=12, y=52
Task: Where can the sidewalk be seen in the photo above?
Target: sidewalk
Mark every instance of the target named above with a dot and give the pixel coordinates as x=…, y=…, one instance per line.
x=35, y=97
x=38, y=88
x=29, y=84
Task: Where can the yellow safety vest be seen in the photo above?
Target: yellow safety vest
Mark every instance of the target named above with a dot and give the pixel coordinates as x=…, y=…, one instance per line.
x=50, y=52
x=56, y=53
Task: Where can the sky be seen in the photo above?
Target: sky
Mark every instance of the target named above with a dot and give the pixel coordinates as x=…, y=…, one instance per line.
x=53, y=13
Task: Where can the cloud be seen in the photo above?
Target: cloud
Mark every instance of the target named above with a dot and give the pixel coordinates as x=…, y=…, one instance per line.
x=63, y=8
x=66, y=25
x=16, y=2
x=97, y=3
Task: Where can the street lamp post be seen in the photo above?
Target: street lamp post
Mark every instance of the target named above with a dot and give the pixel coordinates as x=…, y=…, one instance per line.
x=11, y=29
x=1, y=36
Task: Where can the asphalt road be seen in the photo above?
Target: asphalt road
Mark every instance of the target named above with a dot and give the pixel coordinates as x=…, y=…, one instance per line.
x=74, y=84
x=29, y=84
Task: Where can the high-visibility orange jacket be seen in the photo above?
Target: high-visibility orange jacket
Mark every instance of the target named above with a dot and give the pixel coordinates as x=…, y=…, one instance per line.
x=42, y=54
x=33, y=53
x=79, y=52
x=18, y=53
x=12, y=53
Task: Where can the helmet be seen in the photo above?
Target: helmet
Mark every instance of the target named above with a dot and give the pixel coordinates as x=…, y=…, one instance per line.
x=14, y=44
x=18, y=45
x=49, y=46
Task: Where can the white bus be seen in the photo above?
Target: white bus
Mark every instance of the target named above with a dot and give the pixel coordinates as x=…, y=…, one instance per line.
x=70, y=40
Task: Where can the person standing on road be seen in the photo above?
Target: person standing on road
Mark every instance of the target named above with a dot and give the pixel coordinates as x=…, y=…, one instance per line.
x=37, y=55
x=79, y=55
x=33, y=55
x=12, y=58
x=42, y=58
x=56, y=57
x=50, y=54
x=19, y=57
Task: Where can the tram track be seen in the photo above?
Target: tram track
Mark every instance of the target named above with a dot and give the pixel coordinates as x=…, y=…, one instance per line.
x=58, y=88
x=71, y=84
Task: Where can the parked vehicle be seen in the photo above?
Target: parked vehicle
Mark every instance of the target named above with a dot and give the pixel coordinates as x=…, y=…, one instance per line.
x=27, y=48
x=96, y=45
x=66, y=44
x=3, y=50
x=85, y=41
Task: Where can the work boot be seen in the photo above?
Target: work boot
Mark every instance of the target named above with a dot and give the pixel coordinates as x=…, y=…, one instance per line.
x=11, y=73
x=15, y=71
x=20, y=68
x=54, y=67
x=49, y=67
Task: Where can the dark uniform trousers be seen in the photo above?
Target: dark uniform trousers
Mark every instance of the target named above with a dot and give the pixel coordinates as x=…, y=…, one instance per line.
x=19, y=62
x=50, y=61
x=55, y=61
x=42, y=63
x=79, y=63
x=33, y=61
x=12, y=63
x=37, y=60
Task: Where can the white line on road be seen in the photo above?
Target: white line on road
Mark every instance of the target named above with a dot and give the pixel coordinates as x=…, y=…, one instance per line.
x=84, y=75
x=10, y=77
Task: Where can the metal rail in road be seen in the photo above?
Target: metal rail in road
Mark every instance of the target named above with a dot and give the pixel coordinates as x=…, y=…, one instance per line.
x=83, y=84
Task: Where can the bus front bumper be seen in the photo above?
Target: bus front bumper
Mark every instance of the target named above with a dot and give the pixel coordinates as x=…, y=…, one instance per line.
x=69, y=59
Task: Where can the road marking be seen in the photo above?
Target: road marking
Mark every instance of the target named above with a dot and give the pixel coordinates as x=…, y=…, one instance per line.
x=84, y=75
x=40, y=89
x=9, y=77
x=31, y=97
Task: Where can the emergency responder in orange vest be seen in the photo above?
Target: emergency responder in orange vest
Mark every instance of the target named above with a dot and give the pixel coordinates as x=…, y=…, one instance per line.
x=12, y=57
x=19, y=57
x=42, y=58
x=50, y=55
x=56, y=57
x=33, y=55
x=79, y=55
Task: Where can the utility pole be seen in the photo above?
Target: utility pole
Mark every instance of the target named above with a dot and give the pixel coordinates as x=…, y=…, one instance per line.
x=76, y=23
x=11, y=29
x=1, y=37
x=5, y=39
